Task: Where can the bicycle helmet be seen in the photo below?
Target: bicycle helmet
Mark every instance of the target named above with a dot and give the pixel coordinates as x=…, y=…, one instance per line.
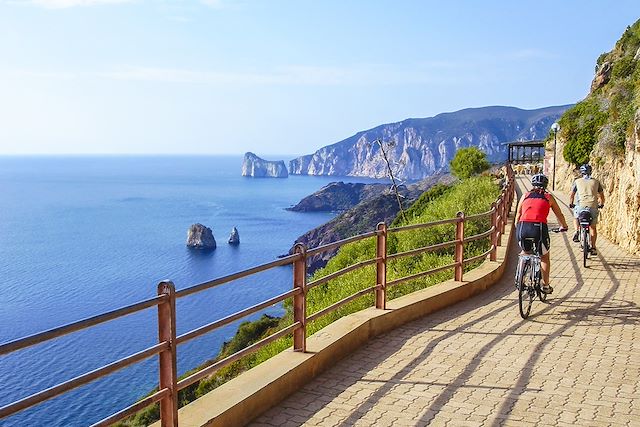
x=585, y=169
x=539, y=181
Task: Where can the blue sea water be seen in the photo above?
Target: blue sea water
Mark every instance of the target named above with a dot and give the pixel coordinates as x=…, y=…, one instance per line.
x=84, y=235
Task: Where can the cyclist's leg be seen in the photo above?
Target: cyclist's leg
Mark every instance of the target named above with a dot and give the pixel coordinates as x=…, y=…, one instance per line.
x=593, y=228
x=576, y=224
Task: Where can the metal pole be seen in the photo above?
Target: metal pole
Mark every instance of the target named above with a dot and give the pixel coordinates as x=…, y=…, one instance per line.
x=300, y=299
x=494, y=234
x=168, y=368
x=381, y=266
x=553, y=183
x=459, y=254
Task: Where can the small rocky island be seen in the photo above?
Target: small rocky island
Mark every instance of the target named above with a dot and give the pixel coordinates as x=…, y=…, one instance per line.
x=200, y=237
x=234, y=238
x=257, y=167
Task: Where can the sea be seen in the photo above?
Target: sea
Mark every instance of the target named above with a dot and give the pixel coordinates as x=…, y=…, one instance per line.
x=81, y=235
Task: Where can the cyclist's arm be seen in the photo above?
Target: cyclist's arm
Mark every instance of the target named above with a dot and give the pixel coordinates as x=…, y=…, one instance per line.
x=572, y=195
x=556, y=210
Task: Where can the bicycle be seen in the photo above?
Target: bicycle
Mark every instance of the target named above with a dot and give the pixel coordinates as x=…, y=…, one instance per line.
x=529, y=277
x=585, y=219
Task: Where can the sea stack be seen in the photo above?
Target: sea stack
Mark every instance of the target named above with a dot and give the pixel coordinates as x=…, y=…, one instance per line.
x=234, y=238
x=256, y=167
x=200, y=237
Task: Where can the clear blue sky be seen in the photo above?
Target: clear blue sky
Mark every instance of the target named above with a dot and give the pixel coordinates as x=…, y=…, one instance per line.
x=279, y=76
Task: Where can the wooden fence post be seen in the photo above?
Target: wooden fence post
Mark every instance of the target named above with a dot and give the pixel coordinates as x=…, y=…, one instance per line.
x=300, y=299
x=494, y=235
x=381, y=266
x=459, y=254
x=167, y=358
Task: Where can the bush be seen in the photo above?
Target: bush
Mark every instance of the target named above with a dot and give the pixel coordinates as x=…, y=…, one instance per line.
x=580, y=126
x=469, y=162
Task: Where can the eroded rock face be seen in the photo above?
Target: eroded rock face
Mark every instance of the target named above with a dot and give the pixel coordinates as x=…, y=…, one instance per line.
x=200, y=237
x=256, y=167
x=423, y=147
x=602, y=76
x=234, y=238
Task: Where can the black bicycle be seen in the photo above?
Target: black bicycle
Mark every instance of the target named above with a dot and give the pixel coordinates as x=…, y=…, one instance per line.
x=585, y=218
x=529, y=277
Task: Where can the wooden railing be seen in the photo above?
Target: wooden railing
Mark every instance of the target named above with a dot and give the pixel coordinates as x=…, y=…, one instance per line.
x=165, y=301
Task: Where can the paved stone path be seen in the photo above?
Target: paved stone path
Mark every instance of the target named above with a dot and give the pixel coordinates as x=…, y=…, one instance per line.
x=574, y=362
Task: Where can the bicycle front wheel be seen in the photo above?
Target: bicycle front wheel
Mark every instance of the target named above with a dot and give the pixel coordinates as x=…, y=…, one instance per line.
x=525, y=291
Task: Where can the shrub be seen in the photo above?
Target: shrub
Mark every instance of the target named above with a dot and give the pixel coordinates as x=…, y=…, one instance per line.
x=469, y=162
x=580, y=126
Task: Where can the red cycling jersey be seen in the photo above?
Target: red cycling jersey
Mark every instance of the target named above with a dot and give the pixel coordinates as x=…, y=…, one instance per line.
x=535, y=207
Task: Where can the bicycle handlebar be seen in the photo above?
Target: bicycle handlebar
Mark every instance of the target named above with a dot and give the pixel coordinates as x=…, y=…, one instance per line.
x=559, y=229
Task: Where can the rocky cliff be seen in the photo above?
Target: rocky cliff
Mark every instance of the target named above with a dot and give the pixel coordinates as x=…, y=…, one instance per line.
x=363, y=217
x=421, y=147
x=604, y=130
x=338, y=196
x=256, y=167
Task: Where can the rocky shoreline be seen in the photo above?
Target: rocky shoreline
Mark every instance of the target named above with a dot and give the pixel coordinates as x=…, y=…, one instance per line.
x=378, y=204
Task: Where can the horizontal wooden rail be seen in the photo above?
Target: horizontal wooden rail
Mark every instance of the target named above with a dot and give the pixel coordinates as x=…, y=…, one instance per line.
x=76, y=382
x=339, y=243
x=480, y=215
x=130, y=410
x=340, y=303
x=235, y=316
x=235, y=356
x=480, y=236
x=423, y=249
x=424, y=225
x=290, y=259
x=341, y=272
x=422, y=274
x=478, y=257
x=79, y=325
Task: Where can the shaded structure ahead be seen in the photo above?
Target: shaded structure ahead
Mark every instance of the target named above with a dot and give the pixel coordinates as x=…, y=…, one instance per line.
x=525, y=151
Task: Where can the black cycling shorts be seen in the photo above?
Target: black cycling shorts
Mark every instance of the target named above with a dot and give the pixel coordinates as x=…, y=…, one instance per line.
x=538, y=231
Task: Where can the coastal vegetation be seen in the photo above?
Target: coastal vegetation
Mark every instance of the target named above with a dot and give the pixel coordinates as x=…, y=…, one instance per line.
x=606, y=116
x=472, y=195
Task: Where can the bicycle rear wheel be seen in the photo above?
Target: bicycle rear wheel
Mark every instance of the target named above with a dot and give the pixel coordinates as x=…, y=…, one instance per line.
x=585, y=246
x=525, y=290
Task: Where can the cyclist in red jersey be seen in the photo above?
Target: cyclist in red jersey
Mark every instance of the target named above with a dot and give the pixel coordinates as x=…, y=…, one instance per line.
x=531, y=217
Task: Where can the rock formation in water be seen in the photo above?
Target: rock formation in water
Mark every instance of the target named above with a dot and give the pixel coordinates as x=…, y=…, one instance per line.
x=338, y=196
x=200, y=237
x=256, y=167
x=234, y=238
x=422, y=147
